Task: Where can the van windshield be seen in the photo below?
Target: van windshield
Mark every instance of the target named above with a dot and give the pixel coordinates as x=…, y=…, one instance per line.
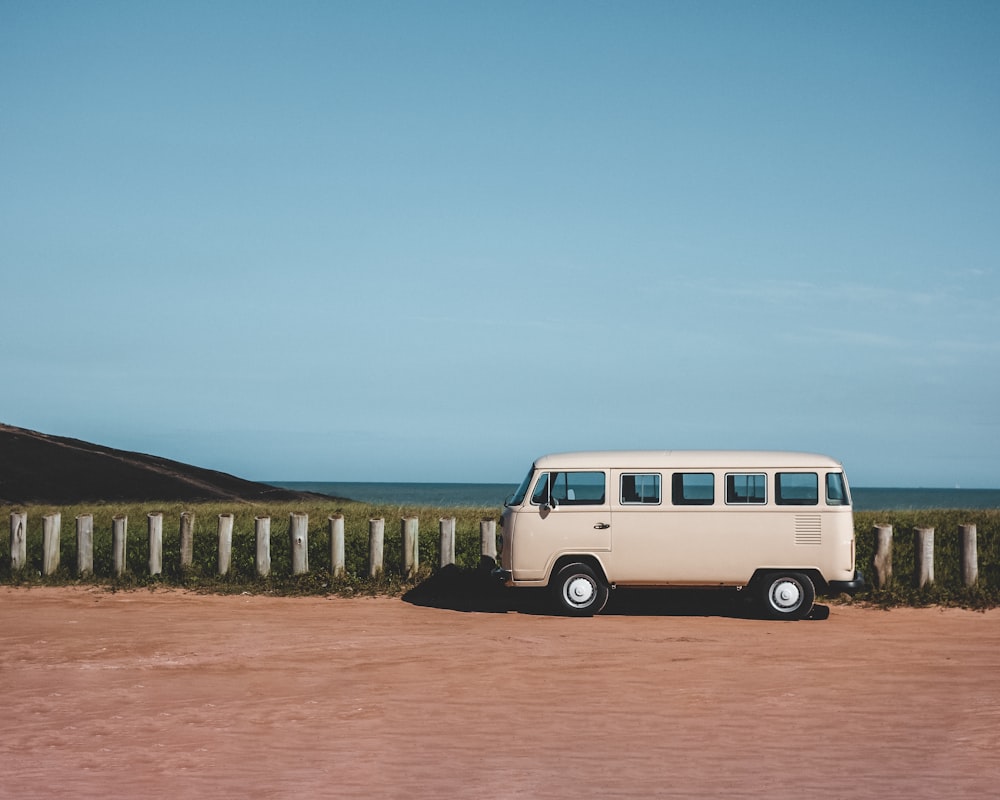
x=518, y=497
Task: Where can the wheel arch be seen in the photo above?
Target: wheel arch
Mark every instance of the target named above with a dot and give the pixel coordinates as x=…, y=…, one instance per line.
x=818, y=581
x=570, y=558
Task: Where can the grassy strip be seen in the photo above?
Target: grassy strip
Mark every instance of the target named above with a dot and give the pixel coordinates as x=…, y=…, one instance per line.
x=242, y=575
x=947, y=589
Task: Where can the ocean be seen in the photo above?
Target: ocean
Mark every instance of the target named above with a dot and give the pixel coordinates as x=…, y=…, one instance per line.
x=454, y=495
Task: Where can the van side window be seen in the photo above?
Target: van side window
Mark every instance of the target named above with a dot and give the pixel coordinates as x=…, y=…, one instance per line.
x=542, y=490
x=836, y=490
x=640, y=488
x=796, y=488
x=693, y=489
x=569, y=488
x=743, y=487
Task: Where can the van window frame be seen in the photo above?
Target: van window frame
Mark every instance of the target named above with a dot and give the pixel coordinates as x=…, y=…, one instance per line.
x=677, y=496
x=752, y=499
x=845, y=492
x=781, y=500
x=551, y=482
x=641, y=501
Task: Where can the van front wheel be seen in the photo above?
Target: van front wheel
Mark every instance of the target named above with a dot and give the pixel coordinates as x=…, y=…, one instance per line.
x=579, y=591
x=787, y=595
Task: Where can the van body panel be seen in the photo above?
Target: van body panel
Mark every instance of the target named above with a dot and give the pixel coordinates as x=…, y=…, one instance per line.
x=695, y=547
x=749, y=511
x=543, y=536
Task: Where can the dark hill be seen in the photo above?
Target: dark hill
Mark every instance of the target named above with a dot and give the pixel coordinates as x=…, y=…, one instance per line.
x=37, y=468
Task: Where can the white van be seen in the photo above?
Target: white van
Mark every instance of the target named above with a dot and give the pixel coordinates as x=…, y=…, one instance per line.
x=777, y=523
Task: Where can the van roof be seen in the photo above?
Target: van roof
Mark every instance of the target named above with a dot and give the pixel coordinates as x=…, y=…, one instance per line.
x=683, y=459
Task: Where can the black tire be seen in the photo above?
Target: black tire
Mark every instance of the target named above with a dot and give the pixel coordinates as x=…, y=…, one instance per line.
x=579, y=591
x=786, y=595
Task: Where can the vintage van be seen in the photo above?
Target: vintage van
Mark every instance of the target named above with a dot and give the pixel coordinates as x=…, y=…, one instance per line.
x=777, y=523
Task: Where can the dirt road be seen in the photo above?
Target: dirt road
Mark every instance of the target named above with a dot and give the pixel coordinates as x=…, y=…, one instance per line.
x=167, y=694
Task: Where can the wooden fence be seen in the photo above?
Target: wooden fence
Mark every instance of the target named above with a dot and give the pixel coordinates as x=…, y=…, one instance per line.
x=923, y=547
x=298, y=543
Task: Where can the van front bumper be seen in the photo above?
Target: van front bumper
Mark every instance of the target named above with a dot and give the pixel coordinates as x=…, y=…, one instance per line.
x=501, y=575
x=851, y=587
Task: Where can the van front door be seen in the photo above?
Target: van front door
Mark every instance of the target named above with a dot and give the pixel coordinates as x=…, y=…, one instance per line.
x=569, y=513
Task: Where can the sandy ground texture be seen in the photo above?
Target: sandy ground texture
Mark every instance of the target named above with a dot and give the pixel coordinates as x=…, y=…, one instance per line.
x=170, y=694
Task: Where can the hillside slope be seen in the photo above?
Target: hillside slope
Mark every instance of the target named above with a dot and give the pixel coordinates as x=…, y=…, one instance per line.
x=38, y=468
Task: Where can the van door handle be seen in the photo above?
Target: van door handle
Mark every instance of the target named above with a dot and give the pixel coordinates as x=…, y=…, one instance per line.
x=601, y=526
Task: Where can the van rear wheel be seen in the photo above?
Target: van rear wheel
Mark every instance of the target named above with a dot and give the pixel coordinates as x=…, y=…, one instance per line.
x=579, y=591
x=787, y=595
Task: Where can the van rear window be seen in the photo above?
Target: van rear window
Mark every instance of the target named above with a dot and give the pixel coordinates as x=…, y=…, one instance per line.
x=836, y=490
x=796, y=488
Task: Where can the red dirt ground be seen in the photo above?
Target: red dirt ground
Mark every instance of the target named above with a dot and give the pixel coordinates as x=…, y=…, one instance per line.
x=166, y=694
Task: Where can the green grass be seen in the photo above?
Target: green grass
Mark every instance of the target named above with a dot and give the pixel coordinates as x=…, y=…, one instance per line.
x=947, y=589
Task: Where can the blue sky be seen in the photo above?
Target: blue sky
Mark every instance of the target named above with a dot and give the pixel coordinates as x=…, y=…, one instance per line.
x=430, y=241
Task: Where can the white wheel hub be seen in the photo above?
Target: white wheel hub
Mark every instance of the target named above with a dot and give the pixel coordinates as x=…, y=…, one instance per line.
x=786, y=595
x=580, y=590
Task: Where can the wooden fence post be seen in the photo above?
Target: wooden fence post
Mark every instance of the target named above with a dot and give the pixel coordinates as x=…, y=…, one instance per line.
x=298, y=535
x=119, y=536
x=18, y=540
x=262, y=559
x=187, y=539
x=338, y=564
x=51, y=532
x=968, y=554
x=446, y=526
x=154, y=524
x=225, y=543
x=376, y=546
x=923, y=548
x=488, y=538
x=410, y=530
x=85, y=544
x=882, y=561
